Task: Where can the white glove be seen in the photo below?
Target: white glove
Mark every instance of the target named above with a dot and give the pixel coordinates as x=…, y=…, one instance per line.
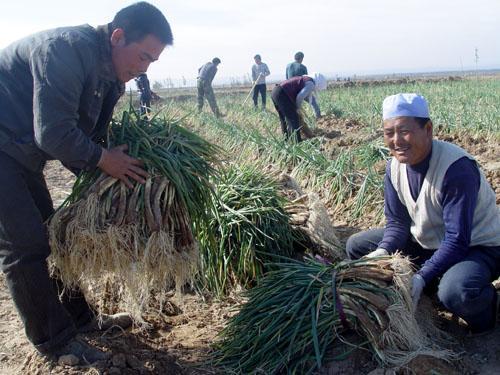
x=417, y=286
x=377, y=253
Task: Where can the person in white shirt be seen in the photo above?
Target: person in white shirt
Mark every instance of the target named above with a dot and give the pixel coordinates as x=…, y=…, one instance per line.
x=259, y=73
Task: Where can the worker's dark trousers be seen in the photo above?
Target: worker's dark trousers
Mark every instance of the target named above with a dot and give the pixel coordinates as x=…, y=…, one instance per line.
x=259, y=89
x=465, y=288
x=287, y=111
x=25, y=204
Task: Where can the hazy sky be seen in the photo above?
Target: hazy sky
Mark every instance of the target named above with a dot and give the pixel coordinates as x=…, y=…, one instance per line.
x=343, y=37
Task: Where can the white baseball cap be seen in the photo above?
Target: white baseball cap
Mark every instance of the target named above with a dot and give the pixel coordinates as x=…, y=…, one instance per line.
x=405, y=105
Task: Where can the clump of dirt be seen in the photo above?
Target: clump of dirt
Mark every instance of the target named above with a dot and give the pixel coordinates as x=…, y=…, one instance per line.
x=492, y=173
x=341, y=133
x=482, y=147
x=332, y=127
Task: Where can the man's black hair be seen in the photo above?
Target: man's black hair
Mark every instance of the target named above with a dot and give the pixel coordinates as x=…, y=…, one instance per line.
x=422, y=121
x=299, y=56
x=257, y=57
x=141, y=19
x=216, y=60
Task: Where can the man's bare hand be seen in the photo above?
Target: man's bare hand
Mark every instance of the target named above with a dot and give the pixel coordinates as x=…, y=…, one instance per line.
x=118, y=164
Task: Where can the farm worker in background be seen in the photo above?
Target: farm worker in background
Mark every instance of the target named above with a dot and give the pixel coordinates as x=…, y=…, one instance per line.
x=297, y=69
x=288, y=97
x=259, y=73
x=206, y=74
x=441, y=211
x=58, y=91
x=146, y=95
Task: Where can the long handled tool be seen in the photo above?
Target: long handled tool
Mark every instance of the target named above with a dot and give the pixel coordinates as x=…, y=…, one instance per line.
x=253, y=86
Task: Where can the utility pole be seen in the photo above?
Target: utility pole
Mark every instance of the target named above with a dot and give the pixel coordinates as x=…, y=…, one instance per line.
x=476, y=58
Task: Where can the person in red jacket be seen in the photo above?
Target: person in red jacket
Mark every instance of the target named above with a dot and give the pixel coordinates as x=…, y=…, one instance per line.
x=288, y=97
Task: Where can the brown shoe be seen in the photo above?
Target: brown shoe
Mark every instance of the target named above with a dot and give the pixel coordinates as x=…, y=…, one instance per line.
x=105, y=322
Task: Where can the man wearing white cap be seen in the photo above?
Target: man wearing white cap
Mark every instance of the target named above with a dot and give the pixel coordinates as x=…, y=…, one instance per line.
x=288, y=97
x=441, y=211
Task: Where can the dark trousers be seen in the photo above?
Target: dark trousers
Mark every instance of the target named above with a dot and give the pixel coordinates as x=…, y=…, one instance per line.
x=287, y=111
x=262, y=90
x=465, y=289
x=49, y=320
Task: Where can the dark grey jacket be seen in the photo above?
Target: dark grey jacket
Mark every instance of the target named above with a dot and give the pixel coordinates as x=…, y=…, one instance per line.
x=58, y=89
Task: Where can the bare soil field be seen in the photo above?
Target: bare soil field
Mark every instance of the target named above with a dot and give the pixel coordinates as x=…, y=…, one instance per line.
x=178, y=339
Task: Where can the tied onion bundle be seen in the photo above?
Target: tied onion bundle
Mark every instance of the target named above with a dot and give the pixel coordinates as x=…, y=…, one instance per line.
x=137, y=240
x=300, y=310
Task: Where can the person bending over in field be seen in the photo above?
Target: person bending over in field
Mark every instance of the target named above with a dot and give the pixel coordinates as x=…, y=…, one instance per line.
x=297, y=69
x=288, y=97
x=440, y=211
x=206, y=74
x=59, y=88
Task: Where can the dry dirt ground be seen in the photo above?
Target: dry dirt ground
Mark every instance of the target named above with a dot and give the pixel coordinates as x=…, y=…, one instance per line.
x=178, y=339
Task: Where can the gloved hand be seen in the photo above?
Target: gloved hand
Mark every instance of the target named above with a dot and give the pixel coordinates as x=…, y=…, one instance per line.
x=377, y=253
x=417, y=286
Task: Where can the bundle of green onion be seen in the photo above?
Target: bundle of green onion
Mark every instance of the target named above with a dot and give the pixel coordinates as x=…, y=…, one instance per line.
x=299, y=311
x=248, y=223
x=141, y=237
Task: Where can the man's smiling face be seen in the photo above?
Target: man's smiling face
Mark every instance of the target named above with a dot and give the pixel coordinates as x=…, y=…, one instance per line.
x=408, y=141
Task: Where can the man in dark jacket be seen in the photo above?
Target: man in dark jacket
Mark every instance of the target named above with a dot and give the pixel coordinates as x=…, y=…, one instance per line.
x=57, y=94
x=206, y=74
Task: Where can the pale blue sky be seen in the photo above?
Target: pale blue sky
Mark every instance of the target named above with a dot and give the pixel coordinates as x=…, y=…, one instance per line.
x=343, y=37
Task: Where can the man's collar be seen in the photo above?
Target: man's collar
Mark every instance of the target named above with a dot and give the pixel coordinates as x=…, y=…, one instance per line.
x=423, y=165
